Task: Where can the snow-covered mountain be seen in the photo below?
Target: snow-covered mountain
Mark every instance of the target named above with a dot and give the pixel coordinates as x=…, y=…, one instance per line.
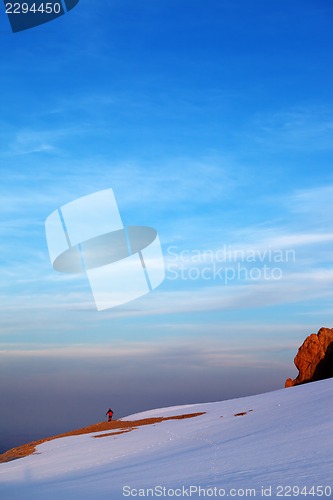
x=275, y=445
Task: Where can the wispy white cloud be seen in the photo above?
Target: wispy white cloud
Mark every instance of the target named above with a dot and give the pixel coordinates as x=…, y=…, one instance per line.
x=306, y=128
x=315, y=205
x=181, y=351
x=174, y=196
x=29, y=141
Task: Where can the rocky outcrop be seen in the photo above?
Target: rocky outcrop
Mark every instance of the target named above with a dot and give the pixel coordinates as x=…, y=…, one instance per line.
x=314, y=359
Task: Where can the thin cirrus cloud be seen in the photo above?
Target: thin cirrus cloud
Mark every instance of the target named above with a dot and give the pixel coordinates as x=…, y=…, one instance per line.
x=295, y=288
x=307, y=128
x=313, y=203
x=216, y=352
x=29, y=141
x=298, y=283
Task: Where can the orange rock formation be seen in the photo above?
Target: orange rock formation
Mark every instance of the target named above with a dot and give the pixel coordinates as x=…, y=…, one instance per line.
x=314, y=359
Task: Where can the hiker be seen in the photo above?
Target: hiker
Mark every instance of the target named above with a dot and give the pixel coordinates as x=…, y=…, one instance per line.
x=109, y=413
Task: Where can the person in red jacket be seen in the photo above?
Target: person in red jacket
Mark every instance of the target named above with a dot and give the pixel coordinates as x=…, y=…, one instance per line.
x=109, y=413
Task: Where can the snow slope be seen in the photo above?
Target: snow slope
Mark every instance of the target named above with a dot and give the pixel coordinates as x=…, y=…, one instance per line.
x=285, y=440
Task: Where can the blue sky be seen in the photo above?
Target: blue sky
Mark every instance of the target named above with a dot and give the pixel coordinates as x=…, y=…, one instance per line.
x=212, y=122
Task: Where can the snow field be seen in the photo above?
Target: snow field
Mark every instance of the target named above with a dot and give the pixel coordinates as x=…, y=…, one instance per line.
x=283, y=438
